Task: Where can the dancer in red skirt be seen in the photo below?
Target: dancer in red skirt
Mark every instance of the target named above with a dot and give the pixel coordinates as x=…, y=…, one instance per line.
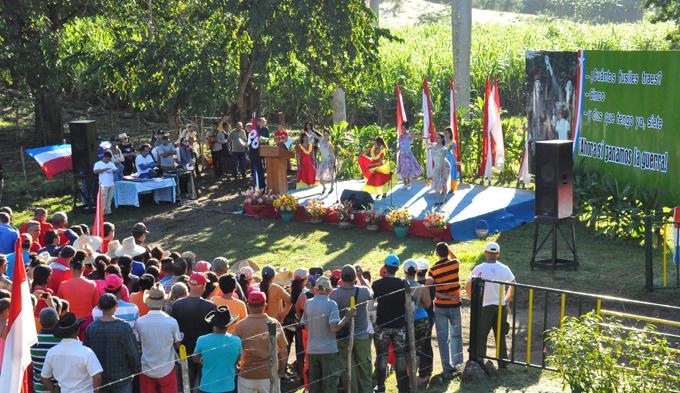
x=376, y=172
x=306, y=175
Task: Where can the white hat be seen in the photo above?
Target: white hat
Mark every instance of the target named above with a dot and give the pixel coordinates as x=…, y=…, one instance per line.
x=492, y=247
x=122, y=135
x=114, y=245
x=410, y=263
x=236, y=267
x=129, y=247
x=94, y=242
x=422, y=265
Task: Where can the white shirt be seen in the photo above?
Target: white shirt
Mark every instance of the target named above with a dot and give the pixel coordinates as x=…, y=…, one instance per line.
x=493, y=271
x=106, y=177
x=141, y=160
x=157, y=332
x=73, y=365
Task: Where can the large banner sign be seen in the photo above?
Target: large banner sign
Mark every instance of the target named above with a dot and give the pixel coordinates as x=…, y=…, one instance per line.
x=629, y=118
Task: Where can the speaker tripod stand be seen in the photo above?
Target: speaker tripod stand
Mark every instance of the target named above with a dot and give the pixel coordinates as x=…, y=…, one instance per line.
x=555, y=225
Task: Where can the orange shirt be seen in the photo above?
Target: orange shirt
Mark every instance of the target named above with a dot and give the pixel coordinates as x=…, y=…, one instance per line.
x=278, y=302
x=81, y=294
x=137, y=298
x=236, y=307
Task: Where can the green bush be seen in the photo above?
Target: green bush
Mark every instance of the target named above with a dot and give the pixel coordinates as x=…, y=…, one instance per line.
x=598, y=359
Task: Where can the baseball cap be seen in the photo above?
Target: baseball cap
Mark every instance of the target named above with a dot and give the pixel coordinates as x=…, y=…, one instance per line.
x=492, y=247
x=257, y=297
x=348, y=273
x=300, y=273
x=392, y=260
x=422, y=265
x=410, y=264
x=113, y=282
x=197, y=279
x=323, y=283
x=220, y=264
x=268, y=272
x=337, y=274
x=202, y=266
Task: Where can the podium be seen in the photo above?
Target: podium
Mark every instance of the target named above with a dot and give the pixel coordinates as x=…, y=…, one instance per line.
x=277, y=167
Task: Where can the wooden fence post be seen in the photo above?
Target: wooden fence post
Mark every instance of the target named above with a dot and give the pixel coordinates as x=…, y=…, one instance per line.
x=183, y=362
x=274, y=362
x=411, y=337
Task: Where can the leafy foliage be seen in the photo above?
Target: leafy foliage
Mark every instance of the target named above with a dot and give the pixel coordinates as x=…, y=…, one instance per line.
x=593, y=358
x=667, y=10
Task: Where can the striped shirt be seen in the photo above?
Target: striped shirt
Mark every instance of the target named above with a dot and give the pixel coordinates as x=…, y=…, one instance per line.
x=128, y=312
x=445, y=276
x=46, y=340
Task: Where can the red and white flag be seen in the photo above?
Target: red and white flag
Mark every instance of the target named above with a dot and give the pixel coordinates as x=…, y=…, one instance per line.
x=453, y=121
x=676, y=235
x=20, y=333
x=428, y=127
x=98, y=225
x=493, y=151
x=523, y=175
x=401, y=113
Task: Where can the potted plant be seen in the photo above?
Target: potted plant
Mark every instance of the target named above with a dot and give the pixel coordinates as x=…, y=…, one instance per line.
x=436, y=224
x=400, y=219
x=257, y=199
x=372, y=221
x=287, y=205
x=345, y=214
x=315, y=210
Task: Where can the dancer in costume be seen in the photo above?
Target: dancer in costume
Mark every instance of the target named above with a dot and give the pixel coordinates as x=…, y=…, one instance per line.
x=326, y=170
x=375, y=170
x=450, y=146
x=306, y=175
x=407, y=165
x=441, y=175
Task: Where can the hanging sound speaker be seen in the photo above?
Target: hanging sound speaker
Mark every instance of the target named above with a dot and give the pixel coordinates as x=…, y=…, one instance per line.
x=361, y=200
x=84, y=146
x=554, y=165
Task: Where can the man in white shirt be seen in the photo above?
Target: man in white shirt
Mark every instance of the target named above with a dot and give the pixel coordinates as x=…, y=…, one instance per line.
x=144, y=162
x=105, y=169
x=491, y=269
x=166, y=153
x=158, y=334
x=74, y=366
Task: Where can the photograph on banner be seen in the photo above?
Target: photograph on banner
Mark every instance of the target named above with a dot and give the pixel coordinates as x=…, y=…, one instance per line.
x=630, y=129
x=550, y=89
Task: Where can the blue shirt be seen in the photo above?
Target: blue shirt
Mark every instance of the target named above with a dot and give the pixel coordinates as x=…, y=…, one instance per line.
x=319, y=313
x=8, y=238
x=220, y=353
x=10, y=263
x=138, y=268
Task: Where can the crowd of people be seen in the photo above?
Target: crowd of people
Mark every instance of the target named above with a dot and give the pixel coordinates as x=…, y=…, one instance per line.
x=112, y=313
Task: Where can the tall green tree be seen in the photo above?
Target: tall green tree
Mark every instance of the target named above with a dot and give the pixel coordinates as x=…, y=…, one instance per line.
x=667, y=10
x=30, y=33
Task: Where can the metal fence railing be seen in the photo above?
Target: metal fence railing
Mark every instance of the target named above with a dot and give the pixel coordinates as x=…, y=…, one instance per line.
x=661, y=272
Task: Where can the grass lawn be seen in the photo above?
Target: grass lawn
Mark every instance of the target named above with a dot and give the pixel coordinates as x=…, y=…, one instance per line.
x=210, y=228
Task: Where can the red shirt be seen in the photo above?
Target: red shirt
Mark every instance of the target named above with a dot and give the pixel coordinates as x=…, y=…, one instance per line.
x=281, y=136
x=35, y=247
x=82, y=295
x=60, y=273
x=44, y=227
x=105, y=246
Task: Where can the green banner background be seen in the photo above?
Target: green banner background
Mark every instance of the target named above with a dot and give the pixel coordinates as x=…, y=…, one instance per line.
x=631, y=119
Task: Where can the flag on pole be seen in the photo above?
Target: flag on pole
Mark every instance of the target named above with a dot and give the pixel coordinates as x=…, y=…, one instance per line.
x=98, y=225
x=523, y=174
x=52, y=159
x=20, y=333
x=493, y=151
x=428, y=126
x=453, y=121
x=578, y=110
x=676, y=235
x=401, y=113
x=254, y=144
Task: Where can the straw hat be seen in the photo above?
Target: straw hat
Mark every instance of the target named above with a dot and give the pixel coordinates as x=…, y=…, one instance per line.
x=114, y=245
x=129, y=247
x=284, y=277
x=45, y=258
x=236, y=267
x=155, y=297
x=93, y=242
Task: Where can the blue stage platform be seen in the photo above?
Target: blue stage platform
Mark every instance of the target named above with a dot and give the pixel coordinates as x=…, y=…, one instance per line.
x=471, y=207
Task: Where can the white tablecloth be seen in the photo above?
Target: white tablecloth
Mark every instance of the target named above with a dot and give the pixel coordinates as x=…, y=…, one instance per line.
x=127, y=192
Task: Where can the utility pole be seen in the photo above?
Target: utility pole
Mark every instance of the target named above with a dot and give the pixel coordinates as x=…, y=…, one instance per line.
x=461, y=29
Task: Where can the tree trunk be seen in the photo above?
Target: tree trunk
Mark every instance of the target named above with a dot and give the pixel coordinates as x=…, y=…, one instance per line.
x=48, y=119
x=173, y=115
x=375, y=7
x=461, y=28
x=339, y=111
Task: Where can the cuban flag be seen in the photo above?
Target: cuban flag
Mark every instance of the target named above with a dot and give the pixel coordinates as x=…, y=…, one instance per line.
x=578, y=110
x=401, y=113
x=52, y=159
x=428, y=127
x=493, y=150
x=676, y=235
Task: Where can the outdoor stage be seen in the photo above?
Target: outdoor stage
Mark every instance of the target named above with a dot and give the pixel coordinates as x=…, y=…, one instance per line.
x=471, y=207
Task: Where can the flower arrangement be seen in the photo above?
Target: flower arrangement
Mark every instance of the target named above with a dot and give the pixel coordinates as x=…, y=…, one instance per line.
x=399, y=217
x=286, y=203
x=315, y=209
x=344, y=211
x=372, y=218
x=435, y=220
x=255, y=197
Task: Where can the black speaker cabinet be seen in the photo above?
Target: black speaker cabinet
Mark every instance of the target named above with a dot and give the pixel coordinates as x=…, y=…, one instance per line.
x=84, y=146
x=361, y=200
x=554, y=165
